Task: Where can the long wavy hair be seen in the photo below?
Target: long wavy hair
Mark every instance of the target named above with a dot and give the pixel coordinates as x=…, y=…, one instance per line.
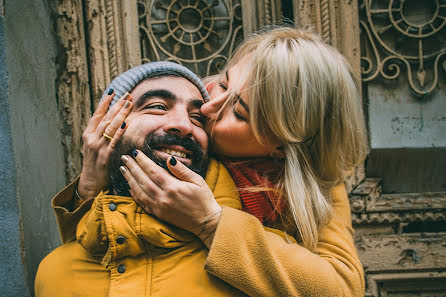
x=302, y=92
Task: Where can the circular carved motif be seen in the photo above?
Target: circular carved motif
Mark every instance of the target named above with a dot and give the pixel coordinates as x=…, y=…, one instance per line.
x=412, y=20
x=190, y=30
x=190, y=20
x=416, y=18
x=405, y=35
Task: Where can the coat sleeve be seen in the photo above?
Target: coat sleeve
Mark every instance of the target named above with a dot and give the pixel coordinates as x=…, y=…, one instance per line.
x=69, y=210
x=262, y=263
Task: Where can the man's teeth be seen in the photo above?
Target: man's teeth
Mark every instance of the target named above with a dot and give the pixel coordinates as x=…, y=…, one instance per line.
x=173, y=153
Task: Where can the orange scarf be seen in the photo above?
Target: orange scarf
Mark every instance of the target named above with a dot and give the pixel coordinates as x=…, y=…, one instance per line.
x=265, y=203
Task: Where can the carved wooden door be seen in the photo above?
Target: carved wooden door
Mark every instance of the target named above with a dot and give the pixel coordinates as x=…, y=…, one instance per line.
x=397, y=49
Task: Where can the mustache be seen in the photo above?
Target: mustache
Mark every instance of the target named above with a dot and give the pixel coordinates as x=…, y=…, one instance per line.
x=153, y=141
x=125, y=146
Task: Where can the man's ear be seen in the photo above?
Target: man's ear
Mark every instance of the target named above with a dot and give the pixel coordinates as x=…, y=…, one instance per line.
x=277, y=153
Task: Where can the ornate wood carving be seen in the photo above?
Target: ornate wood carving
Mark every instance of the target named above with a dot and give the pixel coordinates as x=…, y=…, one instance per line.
x=395, y=253
x=410, y=265
x=73, y=93
x=260, y=13
x=407, y=284
x=336, y=21
x=196, y=33
x=369, y=206
x=404, y=36
x=113, y=41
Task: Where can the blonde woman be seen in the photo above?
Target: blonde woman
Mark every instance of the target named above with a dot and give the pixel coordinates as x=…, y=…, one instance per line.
x=287, y=121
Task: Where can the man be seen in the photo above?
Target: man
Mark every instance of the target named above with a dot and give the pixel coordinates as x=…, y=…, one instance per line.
x=121, y=250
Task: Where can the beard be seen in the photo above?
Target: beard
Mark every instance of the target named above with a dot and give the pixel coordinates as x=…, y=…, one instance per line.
x=124, y=146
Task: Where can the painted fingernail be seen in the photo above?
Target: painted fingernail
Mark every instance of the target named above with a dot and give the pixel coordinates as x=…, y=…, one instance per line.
x=173, y=161
x=135, y=153
x=127, y=104
x=124, y=158
x=123, y=125
x=126, y=95
x=110, y=91
x=122, y=169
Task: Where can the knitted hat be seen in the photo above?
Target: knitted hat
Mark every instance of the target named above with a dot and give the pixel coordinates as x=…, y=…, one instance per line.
x=128, y=80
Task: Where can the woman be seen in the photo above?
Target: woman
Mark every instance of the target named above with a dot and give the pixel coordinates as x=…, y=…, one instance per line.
x=287, y=116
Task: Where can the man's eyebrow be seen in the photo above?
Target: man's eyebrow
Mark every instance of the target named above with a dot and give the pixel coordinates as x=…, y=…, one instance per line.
x=161, y=93
x=197, y=103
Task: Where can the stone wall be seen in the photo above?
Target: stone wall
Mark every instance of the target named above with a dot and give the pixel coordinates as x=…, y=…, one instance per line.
x=33, y=160
x=12, y=277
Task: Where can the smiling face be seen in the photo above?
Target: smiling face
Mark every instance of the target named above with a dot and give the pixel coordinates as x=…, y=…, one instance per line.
x=165, y=120
x=167, y=106
x=230, y=131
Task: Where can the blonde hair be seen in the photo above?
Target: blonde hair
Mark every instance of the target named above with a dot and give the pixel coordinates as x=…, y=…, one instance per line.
x=302, y=92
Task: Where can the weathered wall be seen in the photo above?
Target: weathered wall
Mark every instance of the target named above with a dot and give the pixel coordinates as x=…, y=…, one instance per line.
x=12, y=276
x=35, y=128
x=398, y=119
x=407, y=137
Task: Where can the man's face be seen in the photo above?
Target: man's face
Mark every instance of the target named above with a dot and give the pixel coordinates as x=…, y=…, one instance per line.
x=165, y=120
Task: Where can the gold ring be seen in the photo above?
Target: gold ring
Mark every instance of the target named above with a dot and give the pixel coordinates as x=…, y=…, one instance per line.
x=107, y=136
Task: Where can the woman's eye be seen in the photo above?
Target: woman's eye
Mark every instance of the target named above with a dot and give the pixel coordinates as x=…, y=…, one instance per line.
x=237, y=115
x=222, y=85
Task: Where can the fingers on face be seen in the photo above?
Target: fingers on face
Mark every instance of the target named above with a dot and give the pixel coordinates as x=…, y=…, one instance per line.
x=156, y=173
x=182, y=172
x=99, y=113
x=140, y=175
x=114, y=118
x=141, y=197
x=116, y=137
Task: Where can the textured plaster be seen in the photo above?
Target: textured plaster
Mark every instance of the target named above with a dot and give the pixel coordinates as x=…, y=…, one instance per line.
x=12, y=276
x=34, y=125
x=397, y=119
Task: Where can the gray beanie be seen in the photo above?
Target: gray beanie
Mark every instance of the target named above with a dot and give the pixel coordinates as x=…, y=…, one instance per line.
x=128, y=80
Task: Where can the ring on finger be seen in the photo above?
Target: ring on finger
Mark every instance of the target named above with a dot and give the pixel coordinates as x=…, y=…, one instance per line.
x=107, y=136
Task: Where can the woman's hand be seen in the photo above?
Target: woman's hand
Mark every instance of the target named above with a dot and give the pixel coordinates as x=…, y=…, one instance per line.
x=97, y=148
x=183, y=200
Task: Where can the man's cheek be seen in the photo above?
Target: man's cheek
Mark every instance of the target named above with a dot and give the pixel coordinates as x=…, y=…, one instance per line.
x=135, y=134
x=204, y=140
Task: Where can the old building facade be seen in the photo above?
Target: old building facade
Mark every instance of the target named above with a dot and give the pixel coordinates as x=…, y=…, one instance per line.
x=397, y=49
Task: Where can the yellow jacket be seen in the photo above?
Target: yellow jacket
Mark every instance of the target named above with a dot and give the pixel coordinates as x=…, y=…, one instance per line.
x=259, y=261
x=122, y=251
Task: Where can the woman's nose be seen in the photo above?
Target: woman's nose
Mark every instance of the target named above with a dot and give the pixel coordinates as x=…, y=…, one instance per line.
x=211, y=108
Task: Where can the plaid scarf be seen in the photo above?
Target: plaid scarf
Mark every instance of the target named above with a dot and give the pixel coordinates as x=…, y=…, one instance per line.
x=255, y=180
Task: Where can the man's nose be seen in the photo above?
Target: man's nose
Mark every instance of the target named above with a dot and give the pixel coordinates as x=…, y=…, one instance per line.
x=211, y=108
x=179, y=123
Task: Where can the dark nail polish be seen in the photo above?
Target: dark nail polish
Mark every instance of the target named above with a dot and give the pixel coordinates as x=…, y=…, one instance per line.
x=135, y=153
x=110, y=92
x=173, y=161
x=123, y=125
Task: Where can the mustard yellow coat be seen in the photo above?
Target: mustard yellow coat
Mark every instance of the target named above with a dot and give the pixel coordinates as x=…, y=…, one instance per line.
x=259, y=261
x=122, y=251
